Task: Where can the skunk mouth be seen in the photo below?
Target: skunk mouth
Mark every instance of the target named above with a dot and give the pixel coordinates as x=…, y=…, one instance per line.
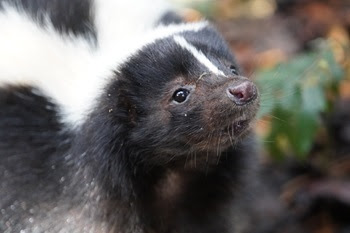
x=237, y=127
x=222, y=137
x=240, y=126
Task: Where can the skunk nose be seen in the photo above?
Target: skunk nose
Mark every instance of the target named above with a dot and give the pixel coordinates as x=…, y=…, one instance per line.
x=242, y=93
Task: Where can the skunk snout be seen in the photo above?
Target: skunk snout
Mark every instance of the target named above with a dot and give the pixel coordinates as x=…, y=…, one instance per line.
x=242, y=93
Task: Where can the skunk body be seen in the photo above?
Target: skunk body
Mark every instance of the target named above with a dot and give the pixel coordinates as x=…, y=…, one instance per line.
x=112, y=125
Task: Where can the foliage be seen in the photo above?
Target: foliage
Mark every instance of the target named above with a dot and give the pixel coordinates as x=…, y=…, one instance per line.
x=294, y=94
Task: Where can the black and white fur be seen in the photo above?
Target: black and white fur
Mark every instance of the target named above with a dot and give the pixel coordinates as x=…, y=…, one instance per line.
x=90, y=137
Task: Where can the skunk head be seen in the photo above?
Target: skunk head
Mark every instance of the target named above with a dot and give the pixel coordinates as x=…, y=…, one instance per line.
x=184, y=94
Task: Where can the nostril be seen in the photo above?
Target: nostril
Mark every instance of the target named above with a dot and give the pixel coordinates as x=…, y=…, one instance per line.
x=242, y=93
x=237, y=93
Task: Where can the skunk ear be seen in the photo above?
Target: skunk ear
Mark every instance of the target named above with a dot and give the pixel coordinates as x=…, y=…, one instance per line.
x=130, y=109
x=170, y=18
x=118, y=101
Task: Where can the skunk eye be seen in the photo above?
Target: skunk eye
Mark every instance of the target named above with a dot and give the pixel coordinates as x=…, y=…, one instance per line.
x=233, y=70
x=180, y=95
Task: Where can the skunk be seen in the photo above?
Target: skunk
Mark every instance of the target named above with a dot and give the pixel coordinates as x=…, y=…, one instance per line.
x=118, y=116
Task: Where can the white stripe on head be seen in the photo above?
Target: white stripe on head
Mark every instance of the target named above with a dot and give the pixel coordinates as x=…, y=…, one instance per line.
x=198, y=55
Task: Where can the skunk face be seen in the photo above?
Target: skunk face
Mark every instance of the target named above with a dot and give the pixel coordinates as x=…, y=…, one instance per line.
x=184, y=95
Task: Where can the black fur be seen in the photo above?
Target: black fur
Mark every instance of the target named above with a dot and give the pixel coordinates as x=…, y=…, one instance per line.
x=140, y=162
x=67, y=16
x=31, y=141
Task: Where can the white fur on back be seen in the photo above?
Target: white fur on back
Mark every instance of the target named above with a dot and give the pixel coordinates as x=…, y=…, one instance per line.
x=63, y=67
x=69, y=69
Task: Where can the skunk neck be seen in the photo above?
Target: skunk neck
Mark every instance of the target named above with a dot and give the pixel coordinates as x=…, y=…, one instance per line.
x=148, y=193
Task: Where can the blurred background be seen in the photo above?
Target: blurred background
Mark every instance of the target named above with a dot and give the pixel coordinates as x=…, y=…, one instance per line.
x=298, y=51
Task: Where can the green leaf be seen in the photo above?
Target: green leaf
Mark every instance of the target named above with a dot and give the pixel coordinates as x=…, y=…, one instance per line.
x=313, y=100
x=302, y=131
x=293, y=94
